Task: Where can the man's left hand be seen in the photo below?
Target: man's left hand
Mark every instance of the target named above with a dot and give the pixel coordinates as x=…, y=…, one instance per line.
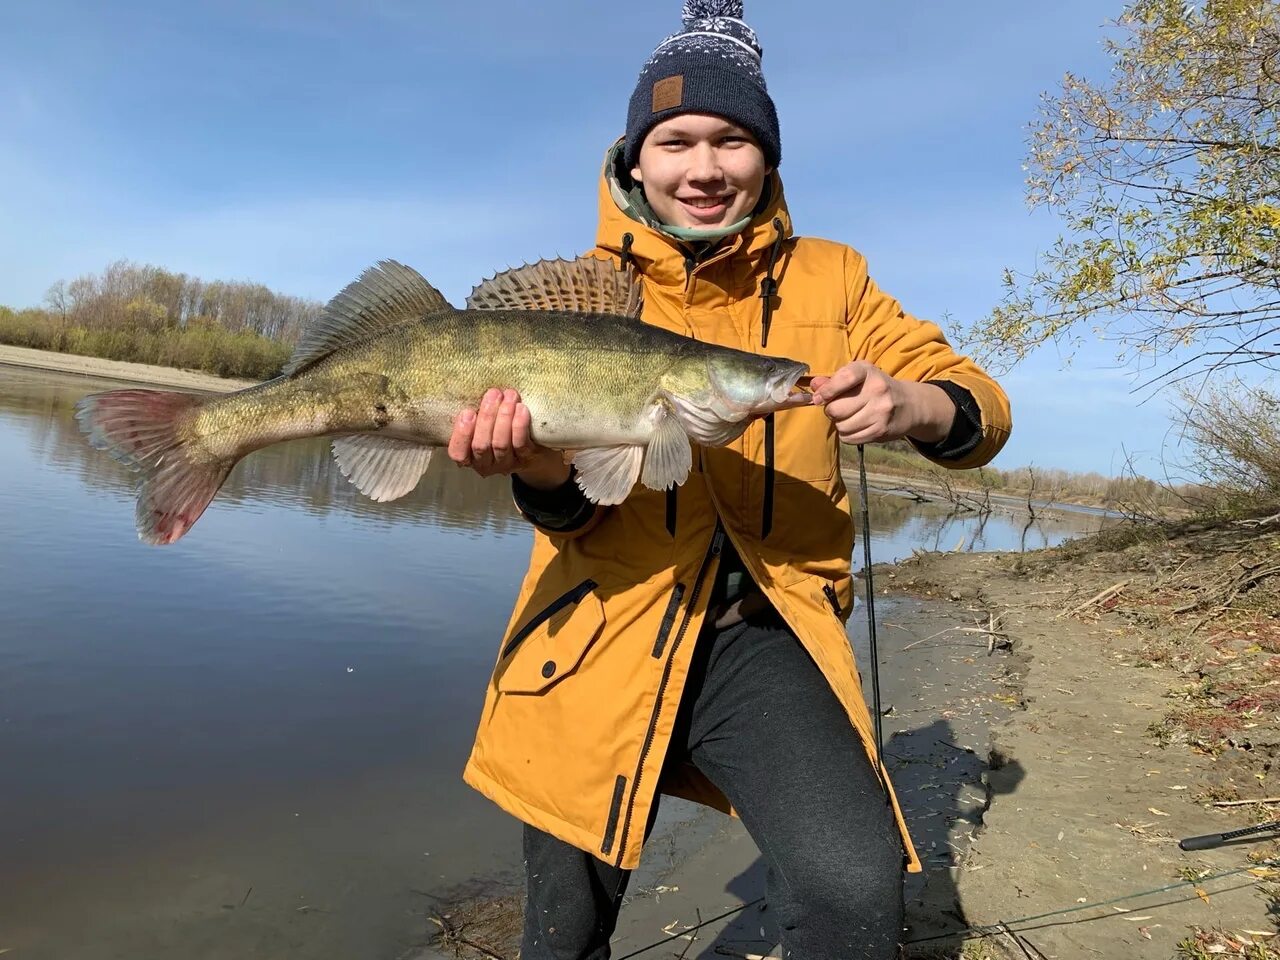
x=869, y=406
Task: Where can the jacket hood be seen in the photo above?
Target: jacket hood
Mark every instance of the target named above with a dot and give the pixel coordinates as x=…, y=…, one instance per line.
x=659, y=255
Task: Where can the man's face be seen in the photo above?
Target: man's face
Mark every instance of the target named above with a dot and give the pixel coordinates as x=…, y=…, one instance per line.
x=700, y=170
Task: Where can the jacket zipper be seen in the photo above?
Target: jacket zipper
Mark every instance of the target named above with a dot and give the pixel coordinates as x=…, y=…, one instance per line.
x=547, y=612
x=717, y=544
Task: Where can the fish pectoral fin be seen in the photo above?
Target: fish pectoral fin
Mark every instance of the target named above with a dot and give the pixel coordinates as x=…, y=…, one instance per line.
x=382, y=468
x=584, y=285
x=669, y=458
x=607, y=474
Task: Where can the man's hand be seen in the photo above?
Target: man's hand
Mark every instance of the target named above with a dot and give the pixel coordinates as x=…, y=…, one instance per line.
x=869, y=406
x=496, y=439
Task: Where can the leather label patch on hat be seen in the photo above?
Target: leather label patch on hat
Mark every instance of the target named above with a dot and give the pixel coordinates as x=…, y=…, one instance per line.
x=668, y=93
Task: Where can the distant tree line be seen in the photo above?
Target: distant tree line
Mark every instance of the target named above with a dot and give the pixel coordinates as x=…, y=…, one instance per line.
x=146, y=314
x=899, y=458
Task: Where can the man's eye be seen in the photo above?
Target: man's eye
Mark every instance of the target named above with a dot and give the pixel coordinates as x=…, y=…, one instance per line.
x=671, y=143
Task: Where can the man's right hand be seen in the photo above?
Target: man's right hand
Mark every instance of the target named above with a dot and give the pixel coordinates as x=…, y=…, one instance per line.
x=496, y=439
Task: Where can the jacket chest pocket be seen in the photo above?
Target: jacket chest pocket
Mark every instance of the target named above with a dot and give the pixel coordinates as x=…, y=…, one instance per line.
x=804, y=447
x=552, y=642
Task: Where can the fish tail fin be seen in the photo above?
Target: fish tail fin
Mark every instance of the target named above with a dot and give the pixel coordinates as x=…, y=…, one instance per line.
x=143, y=429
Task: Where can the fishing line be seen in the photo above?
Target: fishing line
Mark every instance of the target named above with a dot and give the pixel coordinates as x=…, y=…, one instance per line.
x=992, y=929
x=870, y=593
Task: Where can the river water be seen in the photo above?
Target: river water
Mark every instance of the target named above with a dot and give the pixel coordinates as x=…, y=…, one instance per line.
x=249, y=744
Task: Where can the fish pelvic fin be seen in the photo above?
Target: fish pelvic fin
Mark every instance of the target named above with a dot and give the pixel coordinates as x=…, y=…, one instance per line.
x=143, y=429
x=382, y=468
x=584, y=285
x=384, y=296
x=607, y=474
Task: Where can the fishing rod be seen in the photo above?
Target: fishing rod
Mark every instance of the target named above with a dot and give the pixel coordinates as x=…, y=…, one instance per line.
x=1211, y=840
x=870, y=594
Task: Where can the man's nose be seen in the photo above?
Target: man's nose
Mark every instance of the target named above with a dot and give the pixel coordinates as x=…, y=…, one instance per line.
x=704, y=164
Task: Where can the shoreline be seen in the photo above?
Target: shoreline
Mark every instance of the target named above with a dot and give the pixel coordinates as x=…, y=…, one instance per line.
x=100, y=367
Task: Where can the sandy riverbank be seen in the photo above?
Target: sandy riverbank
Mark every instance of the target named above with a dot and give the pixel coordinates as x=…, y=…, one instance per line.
x=117, y=370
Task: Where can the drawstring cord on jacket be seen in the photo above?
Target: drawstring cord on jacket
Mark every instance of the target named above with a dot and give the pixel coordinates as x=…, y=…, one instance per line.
x=768, y=289
x=769, y=286
x=627, y=259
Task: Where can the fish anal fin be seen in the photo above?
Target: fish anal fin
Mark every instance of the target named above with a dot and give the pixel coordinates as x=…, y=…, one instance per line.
x=384, y=296
x=607, y=474
x=584, y=285
x=382, y=468
x=668, y=458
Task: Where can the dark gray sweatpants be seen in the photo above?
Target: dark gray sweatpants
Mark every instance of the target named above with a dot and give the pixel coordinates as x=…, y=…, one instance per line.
x=759, y=720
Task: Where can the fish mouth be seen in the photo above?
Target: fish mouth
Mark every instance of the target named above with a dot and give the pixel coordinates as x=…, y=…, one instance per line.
x=790, y=388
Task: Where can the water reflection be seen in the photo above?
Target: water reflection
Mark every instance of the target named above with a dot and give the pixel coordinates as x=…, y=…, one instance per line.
x=37, y=413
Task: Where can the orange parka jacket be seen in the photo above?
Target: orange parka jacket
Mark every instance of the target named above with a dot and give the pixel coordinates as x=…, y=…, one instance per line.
x=580, y=709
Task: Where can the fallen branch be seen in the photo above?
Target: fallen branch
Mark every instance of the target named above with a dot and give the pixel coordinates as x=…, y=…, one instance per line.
x=1241, y=803
x=1251, y=579
x=1105, y=595
x=1258, y=522
x=453, y=937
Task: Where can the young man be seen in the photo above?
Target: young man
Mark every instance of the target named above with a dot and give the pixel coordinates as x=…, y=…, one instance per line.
x=692, y=641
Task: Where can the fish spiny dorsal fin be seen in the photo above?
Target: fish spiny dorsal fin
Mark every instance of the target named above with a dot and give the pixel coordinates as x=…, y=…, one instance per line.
x=384, y=296
x=585, y=285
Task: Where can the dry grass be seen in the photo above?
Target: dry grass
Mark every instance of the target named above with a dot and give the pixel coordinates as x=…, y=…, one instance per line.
x=1215, y=944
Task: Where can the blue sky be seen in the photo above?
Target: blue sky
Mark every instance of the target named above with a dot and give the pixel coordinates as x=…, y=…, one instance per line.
x=294, y=144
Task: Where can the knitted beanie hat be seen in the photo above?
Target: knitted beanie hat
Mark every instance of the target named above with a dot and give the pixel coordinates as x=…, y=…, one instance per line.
x=712, y=66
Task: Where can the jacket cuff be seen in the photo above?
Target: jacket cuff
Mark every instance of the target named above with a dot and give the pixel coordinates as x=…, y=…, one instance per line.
x=562, y=509
x=966, y=431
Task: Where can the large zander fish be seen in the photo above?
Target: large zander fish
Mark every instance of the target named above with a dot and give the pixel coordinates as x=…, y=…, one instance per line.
x=390, y=363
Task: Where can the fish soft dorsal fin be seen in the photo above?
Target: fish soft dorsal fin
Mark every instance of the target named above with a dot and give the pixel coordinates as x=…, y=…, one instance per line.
x=585, y=285
x=384, y=295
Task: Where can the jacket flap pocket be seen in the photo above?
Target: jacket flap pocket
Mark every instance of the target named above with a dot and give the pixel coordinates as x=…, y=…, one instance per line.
x=552, y=643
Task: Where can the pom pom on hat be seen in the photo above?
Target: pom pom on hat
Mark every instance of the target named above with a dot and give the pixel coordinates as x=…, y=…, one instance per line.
x=706, y=9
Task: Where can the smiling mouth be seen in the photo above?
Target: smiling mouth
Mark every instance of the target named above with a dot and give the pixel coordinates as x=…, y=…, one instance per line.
x=707, y=205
